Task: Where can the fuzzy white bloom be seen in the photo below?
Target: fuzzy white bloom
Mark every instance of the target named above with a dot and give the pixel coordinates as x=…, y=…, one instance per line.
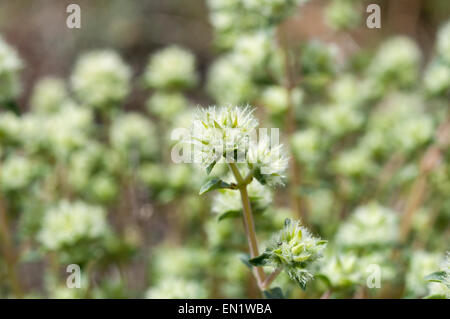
x=230, y=201
x=369, y=225
x=443, y=42
x=101, y=79
x=295, y=250
x=354, y=162
x=177, y=288
x=342, y=269
x=67, y=223
x=133, y=134
x=397, y=61
x=166, y=105
x=10, y=125
x=67, y=129
x=10, y=65
x=16, y=173
x=171, y=68
x=268, y=162
x=421, y=264
x=342, y=14
x=306, y=145
x=338, y=119
x=48, y=95
x=229, y=83
x=437, y=78
x=219, y=132
x=275, y=99
x=251, y=50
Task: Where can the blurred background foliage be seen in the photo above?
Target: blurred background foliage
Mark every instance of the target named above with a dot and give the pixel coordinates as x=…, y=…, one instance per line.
x=85, y=170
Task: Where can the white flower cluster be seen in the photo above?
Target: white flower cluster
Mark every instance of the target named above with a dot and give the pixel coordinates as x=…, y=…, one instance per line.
x=16, y=173
x=166, y=105
x=67, y=223
x=229, y=83
x=268, y=162
x=369, y=225
x=171, y=68
x=48, y=95
x=421, y=264
x=231, y=17
x=397, y=63
x=10, y=65
x=101, y=79
x=133, y=134
x=221, y=131
x=177, y=288
x=342, y=14
x=293, y=249
x=437, y=74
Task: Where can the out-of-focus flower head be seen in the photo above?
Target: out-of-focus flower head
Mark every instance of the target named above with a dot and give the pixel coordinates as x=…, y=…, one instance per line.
x=67, y=223
x=396, y=63
x=369, y=225
x=293, y=249
x=101, y=79
x=355, y=162
x=229, y=83
x=342, y=14
x=437, y=78
x=166, y=105
x=48, y=95
x=230, y=18
x=172, y=68
x=133, y=135
x=443, y=42
x=421, y=264
x=306, y=145
x=342, y=269
x=177, y=288
x=10, y=65
x=276, y=99
x=17, y=173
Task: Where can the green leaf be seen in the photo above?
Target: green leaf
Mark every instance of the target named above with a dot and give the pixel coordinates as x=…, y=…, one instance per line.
x=229, y=214
x=274, y=293
x=245, y=259
x=11, y=106
x=438, y=276
x=324, y=278
x=435, y=297
x=212, y=185
x=210, y=167
x=260, y=177
x=261, y=260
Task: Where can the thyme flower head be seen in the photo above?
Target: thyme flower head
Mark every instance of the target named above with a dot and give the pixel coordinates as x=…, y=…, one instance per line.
x=295, y=250
x=10, y=65
x=440, y=281
x=370, y=225
x=268, y=162
x=172, y=68
x=221, y=131
x=101, y=78
x=443, y=42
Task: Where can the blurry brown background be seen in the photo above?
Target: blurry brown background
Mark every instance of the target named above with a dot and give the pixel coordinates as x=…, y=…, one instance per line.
x=136, y=28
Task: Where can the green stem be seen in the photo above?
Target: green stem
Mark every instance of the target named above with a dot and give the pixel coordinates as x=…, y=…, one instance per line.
x=249, y=224
x=266, y=284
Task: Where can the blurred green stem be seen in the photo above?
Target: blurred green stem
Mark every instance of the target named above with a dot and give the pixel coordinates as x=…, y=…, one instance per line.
x=8, y=251
x=249, y=223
